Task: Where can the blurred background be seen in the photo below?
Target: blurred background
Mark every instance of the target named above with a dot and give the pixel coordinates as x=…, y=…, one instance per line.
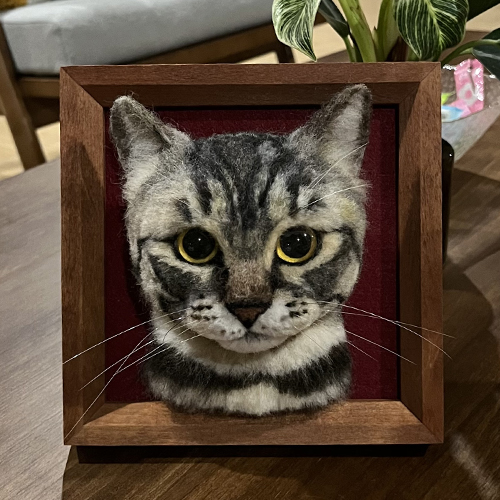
x=326, y=42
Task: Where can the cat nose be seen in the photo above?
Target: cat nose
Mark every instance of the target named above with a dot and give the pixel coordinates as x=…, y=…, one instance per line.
x=247, y=314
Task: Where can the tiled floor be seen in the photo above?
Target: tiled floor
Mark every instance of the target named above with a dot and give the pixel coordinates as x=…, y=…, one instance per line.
x=326, y=41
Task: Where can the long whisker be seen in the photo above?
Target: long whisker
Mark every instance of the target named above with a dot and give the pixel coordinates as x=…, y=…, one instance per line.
x=355, y=346
x=124, y=331
x=146, y=356
x=150, y=354
x=136, y=348
x=103, y=389
x=116, y=362
x=191, y=338
x=359, y=349
x=398, y=323
x=370, y=314
x=318, y=179
x=401, y=326
x=146, y=344
x=381, y=346
x=312, y=340
x=350, y=343
x=328, y=195
x=395, y=321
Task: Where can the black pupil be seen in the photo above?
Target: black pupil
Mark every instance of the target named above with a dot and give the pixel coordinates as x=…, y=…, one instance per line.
x=296, y=243
x=198, y=244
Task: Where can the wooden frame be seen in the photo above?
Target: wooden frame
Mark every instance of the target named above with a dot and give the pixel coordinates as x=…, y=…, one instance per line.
x=414, y=88
x=29, y=102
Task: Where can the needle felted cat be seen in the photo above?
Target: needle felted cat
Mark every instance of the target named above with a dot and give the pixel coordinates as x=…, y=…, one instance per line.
x=242, y=245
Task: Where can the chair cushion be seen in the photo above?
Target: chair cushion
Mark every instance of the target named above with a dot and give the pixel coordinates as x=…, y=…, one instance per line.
x=45, y=36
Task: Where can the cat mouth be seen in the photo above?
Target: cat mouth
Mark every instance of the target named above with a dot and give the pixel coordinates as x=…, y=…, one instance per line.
x=253, y=342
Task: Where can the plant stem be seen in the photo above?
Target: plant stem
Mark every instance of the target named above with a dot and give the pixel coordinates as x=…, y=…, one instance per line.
x=356, y=49
x=359, y=29
x=465, y=49
x=387, y=30
x=350, y=49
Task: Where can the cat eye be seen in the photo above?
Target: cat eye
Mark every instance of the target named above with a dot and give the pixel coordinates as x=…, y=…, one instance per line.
x=297, y=245
x=197, y=246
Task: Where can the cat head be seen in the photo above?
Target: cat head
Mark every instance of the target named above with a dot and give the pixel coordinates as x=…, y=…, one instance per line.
x=250, y=237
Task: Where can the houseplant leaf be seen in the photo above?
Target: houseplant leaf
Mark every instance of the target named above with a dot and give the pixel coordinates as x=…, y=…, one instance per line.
x=334, y=17
x=489, y=55
x=477, y=7
x=386, y=33
x=431, y=26
x=293, y=23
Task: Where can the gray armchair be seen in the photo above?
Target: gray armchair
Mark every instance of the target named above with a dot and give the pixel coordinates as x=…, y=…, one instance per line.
x=38, y=39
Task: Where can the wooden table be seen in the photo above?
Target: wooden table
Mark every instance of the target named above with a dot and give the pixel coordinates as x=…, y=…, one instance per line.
x=35, y=464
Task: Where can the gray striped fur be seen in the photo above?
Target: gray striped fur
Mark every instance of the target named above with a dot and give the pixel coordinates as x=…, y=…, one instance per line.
x=246, y=189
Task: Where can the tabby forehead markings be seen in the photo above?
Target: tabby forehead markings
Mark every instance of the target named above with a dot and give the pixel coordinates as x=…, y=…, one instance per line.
x=246, y=190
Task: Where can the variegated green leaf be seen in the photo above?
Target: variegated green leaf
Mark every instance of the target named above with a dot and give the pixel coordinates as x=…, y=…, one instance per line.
x=489, y=55
x=294, y=21
x=431, y=26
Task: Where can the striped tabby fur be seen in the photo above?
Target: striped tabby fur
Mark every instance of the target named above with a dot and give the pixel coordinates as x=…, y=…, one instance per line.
x=246, y=189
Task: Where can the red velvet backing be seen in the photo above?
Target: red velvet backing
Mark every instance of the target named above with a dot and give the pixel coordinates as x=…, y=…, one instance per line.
x=376, y=290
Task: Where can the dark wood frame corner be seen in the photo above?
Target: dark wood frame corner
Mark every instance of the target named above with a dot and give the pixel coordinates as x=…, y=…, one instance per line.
x=86, y=93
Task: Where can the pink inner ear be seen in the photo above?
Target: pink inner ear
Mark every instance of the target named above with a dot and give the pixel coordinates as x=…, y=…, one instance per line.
x=376, y=290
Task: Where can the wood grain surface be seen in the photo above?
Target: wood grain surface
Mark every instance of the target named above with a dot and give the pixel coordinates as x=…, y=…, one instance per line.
x=352, y=422
x=32, y=457
x=246, y=85
x=466, y=467
x=420, y=257
x=82, y=249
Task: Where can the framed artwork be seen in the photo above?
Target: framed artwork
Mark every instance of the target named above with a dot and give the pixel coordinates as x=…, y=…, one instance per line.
x=392, y=319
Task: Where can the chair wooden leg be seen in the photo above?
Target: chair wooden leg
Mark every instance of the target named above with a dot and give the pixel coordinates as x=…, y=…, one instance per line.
x=284, y=53
x=15, y=111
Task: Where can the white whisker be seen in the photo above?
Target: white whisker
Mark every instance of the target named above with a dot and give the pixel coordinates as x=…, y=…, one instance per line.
x=116, y=362
x=359, y=349
x=398, y=323
x=191, y=338
x=311, y=339
x=103, y=389
x=331, y=194
x=318, y=179
x=381, y=346
x=135, y=349
x=145, y=345
x=124, y=331
x=148, y=355
x=350, y=343
x=401, y=326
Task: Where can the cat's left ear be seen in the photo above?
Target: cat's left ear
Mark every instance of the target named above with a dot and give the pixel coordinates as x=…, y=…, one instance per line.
x=138, y=132
x=143, y=142
x=340, y=130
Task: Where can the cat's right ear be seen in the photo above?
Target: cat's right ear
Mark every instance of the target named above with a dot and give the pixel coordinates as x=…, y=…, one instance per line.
x=140, y=138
